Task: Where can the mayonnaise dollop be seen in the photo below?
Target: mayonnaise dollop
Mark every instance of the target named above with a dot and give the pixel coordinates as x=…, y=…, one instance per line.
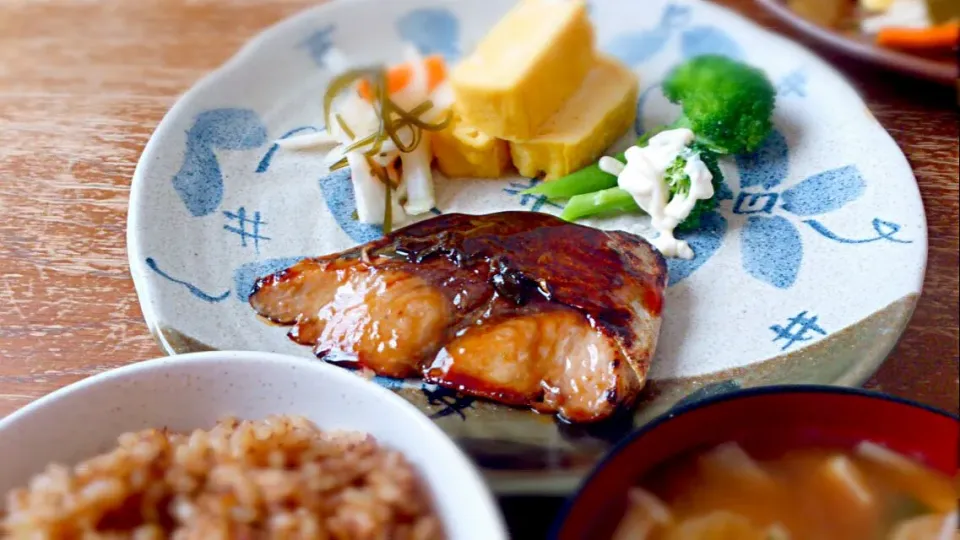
x=643, y=177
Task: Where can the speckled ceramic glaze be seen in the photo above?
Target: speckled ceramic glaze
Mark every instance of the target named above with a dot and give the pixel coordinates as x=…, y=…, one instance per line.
x=807, y=272
x=195, y=390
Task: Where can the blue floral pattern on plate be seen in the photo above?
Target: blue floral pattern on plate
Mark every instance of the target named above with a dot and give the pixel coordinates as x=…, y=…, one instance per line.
x=771, y=245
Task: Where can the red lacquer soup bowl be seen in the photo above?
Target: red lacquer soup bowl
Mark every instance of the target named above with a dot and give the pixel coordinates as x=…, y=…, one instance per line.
x=766, y=422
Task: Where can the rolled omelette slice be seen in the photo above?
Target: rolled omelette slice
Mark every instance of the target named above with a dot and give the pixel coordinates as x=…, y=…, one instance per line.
x=525, y=68
x=463, y=151
x=601, y=111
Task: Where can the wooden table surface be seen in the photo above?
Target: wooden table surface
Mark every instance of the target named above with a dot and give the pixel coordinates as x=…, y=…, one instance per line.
x=83, y=83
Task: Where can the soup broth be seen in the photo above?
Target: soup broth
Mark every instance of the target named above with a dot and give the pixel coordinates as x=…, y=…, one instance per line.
x=870, y=493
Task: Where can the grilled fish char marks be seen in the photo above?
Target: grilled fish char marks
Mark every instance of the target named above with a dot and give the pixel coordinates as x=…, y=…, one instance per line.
x=519, y=307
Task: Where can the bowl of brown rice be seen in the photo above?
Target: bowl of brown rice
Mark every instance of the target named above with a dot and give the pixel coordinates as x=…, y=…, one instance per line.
x=246, y=445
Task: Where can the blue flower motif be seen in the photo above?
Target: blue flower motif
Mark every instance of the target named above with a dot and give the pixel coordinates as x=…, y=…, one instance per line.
x=771, y=250
x=318, y=44
x=705, y=241
x=701, y=40
x=199, y=182
x=634, y=48
x=793, y=84
x=432, y=31
x=824, y=192
x=770, y=244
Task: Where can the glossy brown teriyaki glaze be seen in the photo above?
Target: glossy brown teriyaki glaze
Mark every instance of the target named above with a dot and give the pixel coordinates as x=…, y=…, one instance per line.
x=518, y=307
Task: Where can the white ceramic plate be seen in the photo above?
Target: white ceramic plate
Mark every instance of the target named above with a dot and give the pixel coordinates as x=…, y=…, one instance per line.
x=808, y=272
x=194, y=391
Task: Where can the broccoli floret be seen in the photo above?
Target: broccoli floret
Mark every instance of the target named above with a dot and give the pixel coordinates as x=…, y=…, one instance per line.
x=679, y=183
x=678, y=180
x=727, y=104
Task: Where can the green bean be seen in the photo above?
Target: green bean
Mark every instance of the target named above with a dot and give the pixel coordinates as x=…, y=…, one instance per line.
x=603, y=202
x=586, y=180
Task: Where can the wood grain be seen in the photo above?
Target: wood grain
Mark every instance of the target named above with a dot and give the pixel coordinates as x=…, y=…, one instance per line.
x=83, y=83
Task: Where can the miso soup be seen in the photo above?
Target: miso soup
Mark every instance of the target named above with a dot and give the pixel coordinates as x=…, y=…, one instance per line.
x=870, y=493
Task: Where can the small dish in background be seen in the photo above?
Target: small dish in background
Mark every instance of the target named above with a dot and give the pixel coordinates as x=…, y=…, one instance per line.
x=766, y=423
x=194, y=391
x=837, y=24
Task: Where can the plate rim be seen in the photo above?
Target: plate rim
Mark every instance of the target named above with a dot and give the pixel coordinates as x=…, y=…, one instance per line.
x=141, y=279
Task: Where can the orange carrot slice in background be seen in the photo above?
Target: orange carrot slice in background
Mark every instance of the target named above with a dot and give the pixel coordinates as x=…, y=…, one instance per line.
x=399, y=76
x=943, y=36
